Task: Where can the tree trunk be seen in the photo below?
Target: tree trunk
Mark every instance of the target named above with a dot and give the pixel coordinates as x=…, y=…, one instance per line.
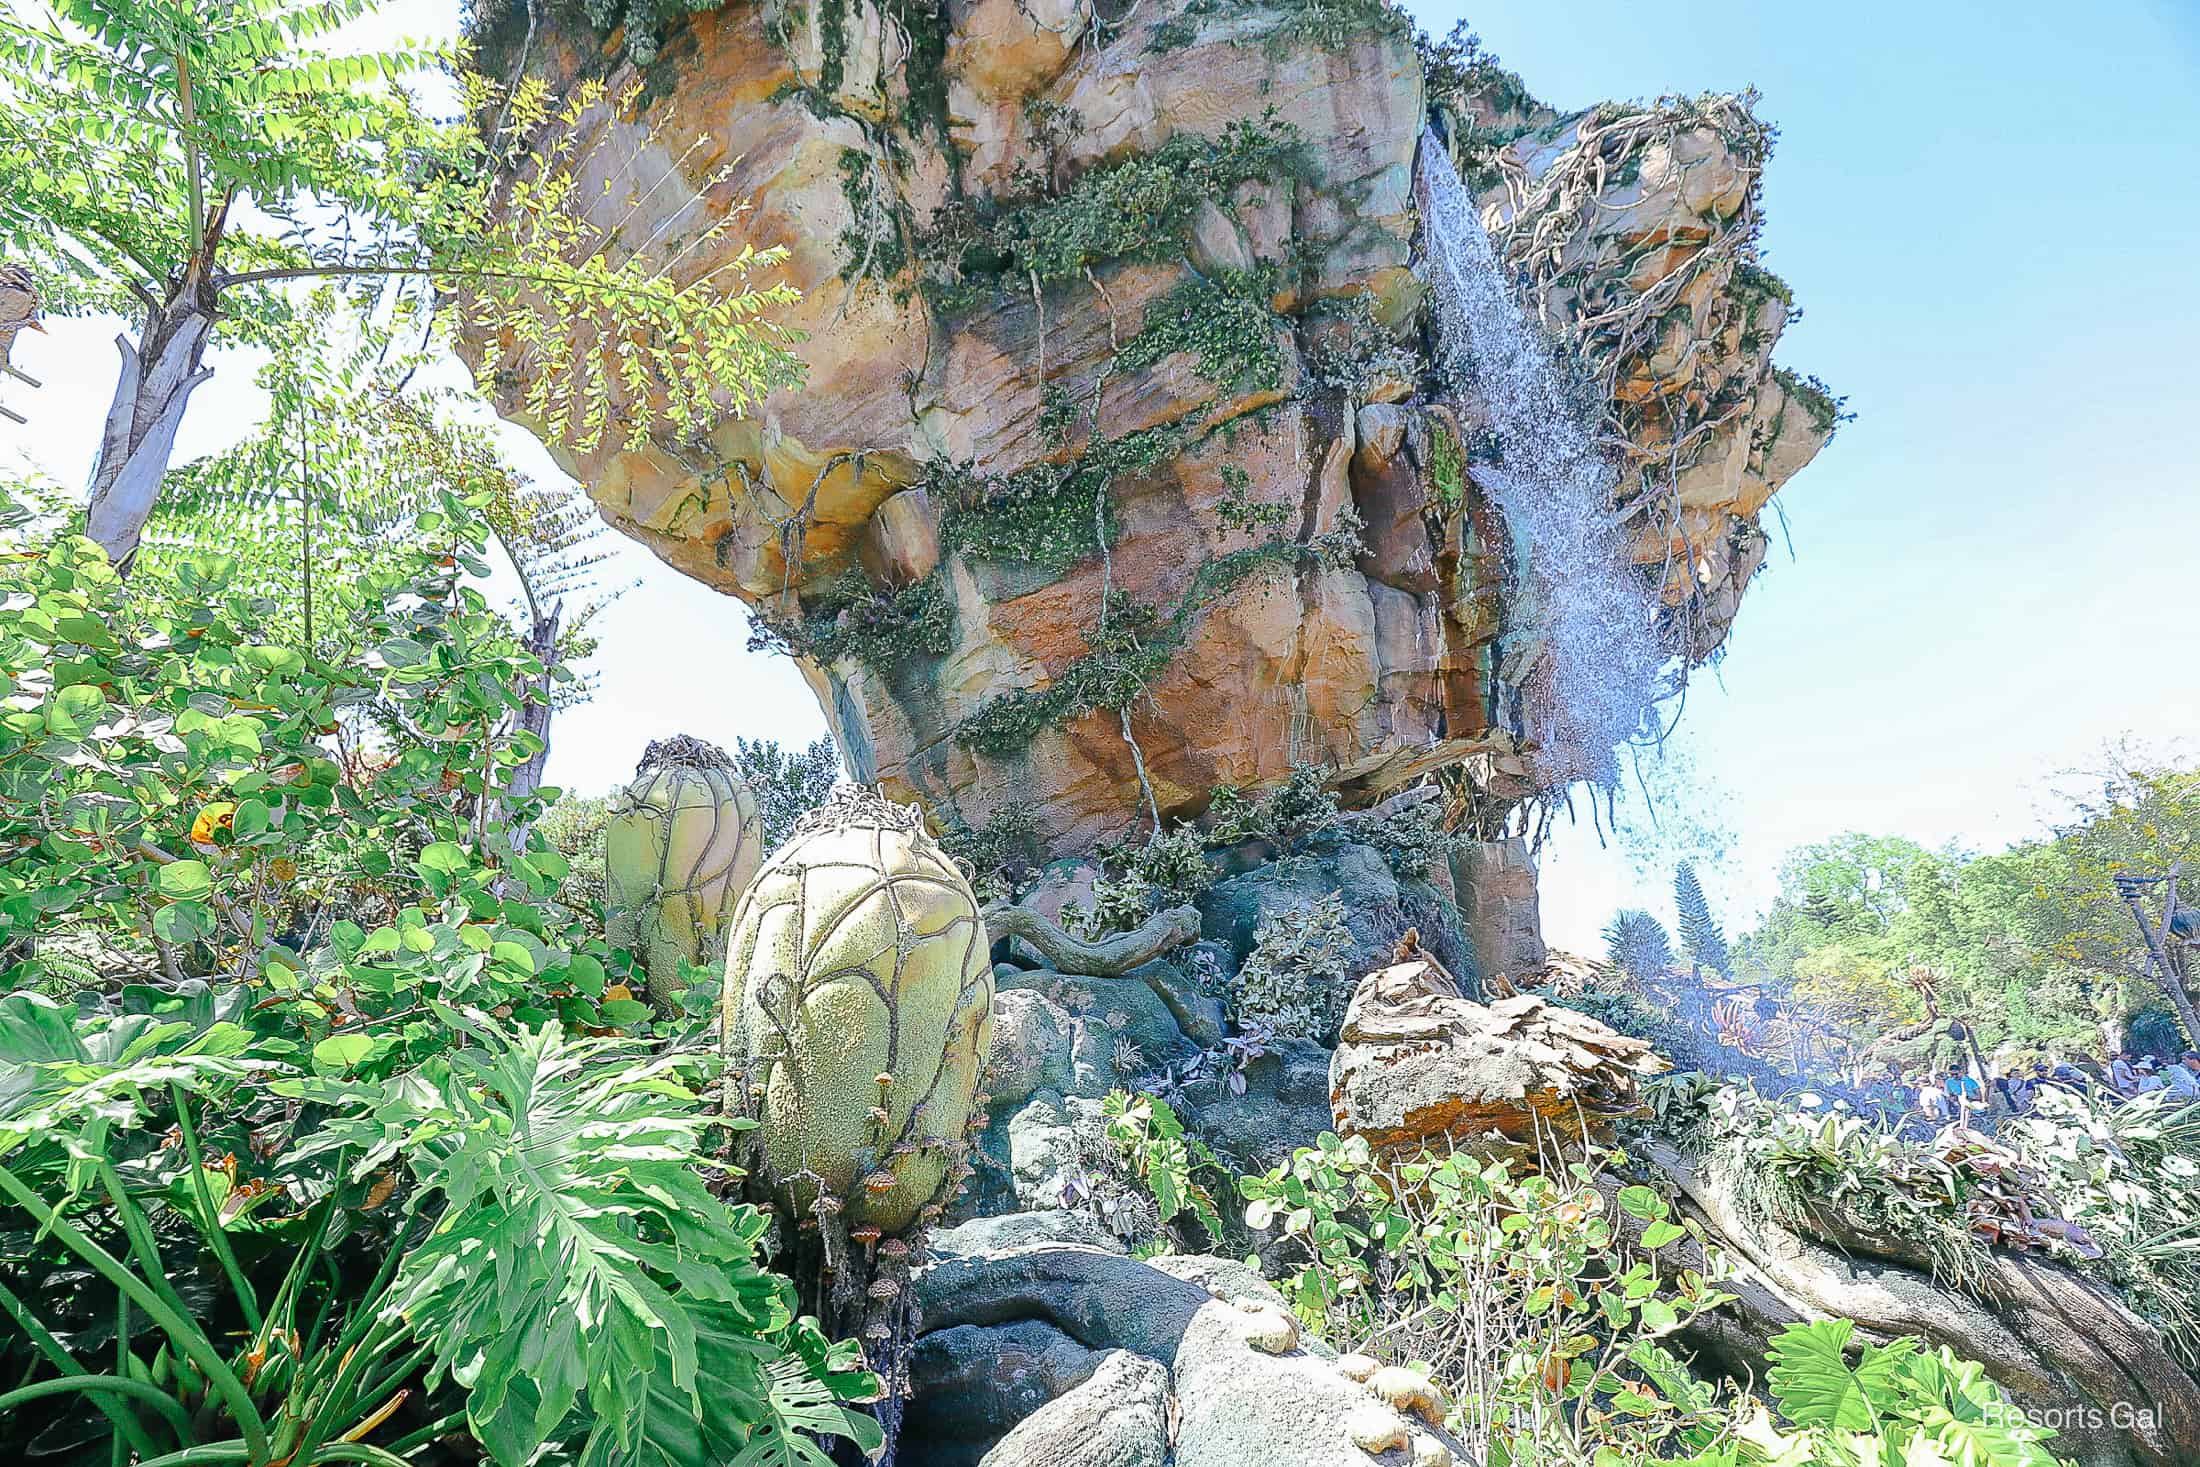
x=2158, y=964
x=159, y=373
x=534, y=717
x=2058, y=1343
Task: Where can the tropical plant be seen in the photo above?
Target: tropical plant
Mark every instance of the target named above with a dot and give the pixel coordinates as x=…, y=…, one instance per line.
x=1897, y=1402
x=1158, y=1154
x=1637, y=945
x=583, y=1286
x=1535, y=1303
x=176, y=161
x=316, y=1128
x=858, y=1017
x=680, y=847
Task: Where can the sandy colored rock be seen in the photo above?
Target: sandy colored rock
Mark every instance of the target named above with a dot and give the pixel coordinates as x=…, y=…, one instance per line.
x=1420, y=1067
x=859, y=141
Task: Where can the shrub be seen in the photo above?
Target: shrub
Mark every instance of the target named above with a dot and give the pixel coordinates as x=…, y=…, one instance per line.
x=1294, y=983
x=258, y=1183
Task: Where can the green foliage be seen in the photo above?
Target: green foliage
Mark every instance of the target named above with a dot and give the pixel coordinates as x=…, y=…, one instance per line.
x=1896, y=1402
x=643, y=22
x=221, y=159
x=878, y=629
x=1135, y=644
x=1137, y=209
x=1701, y=938
x=788, y=783
x=1296, y=981
x=585, y=1287
x=333, y=485
x=1637, y=945
x=1286, y=819
x=2110, y=1191
x=1567, y=1303
x=573, y=826
x=1162, y=1157
x=166, y=779
x=1001, y=852
x=2032, y=947
x=1413, y=842
x=1292, y=24
x=1447, y=467
x=1827, y=410
x=1226, y=320
x=333, y=965
x=1047, y=514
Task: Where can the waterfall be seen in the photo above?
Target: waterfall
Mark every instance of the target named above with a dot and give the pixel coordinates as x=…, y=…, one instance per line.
x=1586, y=687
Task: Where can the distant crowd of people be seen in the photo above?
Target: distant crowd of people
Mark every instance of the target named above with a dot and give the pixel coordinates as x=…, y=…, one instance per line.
x=1940, y=1097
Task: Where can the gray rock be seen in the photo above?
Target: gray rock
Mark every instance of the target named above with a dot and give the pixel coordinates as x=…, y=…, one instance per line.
x=1118, y=1417
x=1241, y=1407
x=1119, y=1029
x=1031, y=1046
x=1198, y=1014
x=1285, y=1106
x=1101, y=1300
x=1246, y=1393
x=987, y=1235
x=1231, y=911
x=1042, y=1151
x=1228, y=1279
x=970, y=1383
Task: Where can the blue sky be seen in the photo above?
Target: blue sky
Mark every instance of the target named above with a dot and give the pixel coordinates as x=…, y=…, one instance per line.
x=1990, y=215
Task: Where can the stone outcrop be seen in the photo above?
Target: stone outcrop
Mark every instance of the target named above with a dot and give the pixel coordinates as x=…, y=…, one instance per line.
x=1121, y=468
x=1060, y=1353
x=1421, y=1067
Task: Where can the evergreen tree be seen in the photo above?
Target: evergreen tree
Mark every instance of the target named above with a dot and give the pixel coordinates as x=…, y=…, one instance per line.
x=1701, y=938
x=1638, y=945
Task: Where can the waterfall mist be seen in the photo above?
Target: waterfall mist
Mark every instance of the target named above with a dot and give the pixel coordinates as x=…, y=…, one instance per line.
x=1580, y=646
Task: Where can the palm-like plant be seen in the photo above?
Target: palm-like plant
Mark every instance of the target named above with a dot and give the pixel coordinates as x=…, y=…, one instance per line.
x=555, y=1250
x=176, y=161
x=1637, y=945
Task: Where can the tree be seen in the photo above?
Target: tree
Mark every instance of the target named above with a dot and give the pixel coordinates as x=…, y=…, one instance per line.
x=787, y=783
x=1638, y=945
x=1701, y=938
x=178, y=160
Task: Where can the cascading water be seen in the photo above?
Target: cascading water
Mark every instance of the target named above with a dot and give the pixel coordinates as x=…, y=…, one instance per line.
x=1587, y=685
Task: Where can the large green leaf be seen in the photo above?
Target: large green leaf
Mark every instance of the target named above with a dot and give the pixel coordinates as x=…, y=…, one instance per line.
x=1814, y=1384
x=584, y=1276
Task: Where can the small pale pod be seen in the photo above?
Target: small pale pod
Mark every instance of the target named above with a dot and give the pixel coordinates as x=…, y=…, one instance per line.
x=1407, y=1390
x=1358, y=1367
x=1268, y=1329
x=1376, y=1430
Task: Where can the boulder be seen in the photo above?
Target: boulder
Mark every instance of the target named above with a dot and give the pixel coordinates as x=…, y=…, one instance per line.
x=1231, y=911
x=1233, y=1374
x=1421, y=1067
x=1118, y=1416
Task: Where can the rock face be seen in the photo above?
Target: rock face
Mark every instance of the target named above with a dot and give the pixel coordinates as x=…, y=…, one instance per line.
x=1122, y=468
x=1421, y=1067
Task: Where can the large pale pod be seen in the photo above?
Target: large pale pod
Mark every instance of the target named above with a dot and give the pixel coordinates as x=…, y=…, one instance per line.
x=858, y=1013
x=681, y=844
